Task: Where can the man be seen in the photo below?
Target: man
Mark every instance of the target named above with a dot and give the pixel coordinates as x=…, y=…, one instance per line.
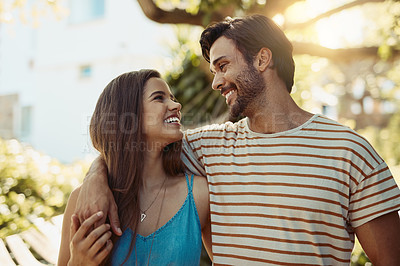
x=286, y=187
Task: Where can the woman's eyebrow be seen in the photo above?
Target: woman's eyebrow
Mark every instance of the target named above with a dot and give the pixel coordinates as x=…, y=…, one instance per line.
x=156, y=92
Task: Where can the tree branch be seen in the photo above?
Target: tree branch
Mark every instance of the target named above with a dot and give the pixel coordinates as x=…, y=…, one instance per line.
x=180, y=16
x=342, y=55
x=272, y=7
x=176, y=16
x=296, y=26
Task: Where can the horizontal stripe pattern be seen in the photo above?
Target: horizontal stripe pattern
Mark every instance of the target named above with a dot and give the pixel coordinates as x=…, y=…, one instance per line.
x=289, y=198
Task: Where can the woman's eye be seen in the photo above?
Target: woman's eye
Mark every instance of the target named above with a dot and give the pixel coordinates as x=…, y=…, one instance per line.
x=158, y=98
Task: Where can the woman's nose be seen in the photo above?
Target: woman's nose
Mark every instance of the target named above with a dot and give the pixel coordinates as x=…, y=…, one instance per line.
x=175, y=105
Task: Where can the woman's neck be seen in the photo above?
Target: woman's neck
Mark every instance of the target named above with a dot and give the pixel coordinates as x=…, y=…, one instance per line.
x=153, y=170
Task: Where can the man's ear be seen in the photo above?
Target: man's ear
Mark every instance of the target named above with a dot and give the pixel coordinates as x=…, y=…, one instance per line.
x=264, y=59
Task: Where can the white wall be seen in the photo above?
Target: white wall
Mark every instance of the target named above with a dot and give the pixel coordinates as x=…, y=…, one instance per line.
x=42, y=65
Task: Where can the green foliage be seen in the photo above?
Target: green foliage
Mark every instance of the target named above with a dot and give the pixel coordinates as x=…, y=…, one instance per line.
x=200, y=103
x=190, y=81
x=359, y=259
x=32, y=185
x=358, y=256
x=386, y=140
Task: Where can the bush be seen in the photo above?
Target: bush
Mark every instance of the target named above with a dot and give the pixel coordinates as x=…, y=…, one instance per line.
x=32, y=185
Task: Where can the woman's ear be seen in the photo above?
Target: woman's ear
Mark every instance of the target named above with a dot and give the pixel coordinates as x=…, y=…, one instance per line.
x=264, y=59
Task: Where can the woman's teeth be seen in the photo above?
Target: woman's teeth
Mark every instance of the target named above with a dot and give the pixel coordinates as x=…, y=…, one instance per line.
x=172, y=120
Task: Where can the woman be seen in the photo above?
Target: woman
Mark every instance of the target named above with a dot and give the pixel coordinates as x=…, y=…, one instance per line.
x=136, y=128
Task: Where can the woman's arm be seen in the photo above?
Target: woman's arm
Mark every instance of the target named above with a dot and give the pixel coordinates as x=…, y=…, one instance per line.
x=201, y=198
x=89, y=249
x=206, y=236
x=77, y=248
x=64, y=254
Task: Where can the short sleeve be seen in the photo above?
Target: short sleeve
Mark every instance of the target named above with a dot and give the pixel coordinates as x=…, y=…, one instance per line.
x=190, y=158
x=376, y=195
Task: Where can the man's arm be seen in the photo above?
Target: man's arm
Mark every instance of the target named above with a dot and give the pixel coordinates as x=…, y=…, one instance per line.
x=380, y=239
x=95, y=195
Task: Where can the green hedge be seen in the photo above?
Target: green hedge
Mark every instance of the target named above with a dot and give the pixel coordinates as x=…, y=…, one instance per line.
x=32, y=185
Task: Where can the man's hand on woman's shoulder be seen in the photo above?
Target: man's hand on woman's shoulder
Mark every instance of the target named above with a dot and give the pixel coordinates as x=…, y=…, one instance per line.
x=95, y=196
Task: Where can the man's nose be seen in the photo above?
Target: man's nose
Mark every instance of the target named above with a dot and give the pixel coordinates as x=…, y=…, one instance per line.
x=217, y=82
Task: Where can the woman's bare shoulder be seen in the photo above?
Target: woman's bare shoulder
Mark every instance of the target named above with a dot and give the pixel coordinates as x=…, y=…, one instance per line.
x=200, y=189
x=200, y=181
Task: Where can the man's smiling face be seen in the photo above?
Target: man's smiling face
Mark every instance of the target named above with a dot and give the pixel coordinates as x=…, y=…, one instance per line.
x=237, y=80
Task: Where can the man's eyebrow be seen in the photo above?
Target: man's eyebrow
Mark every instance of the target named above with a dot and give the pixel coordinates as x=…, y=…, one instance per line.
x=216, y=62
x=157, y=92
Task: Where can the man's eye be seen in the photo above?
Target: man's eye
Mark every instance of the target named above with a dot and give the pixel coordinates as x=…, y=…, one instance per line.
x=222, y=66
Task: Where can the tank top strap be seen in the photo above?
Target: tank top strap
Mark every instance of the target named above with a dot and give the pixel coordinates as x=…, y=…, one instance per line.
x=189, y=183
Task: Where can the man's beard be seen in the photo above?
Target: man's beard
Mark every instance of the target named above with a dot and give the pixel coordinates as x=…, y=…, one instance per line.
x=251, y=85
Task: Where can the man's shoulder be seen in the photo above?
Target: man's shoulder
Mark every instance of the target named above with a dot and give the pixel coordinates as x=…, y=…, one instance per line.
x=216, y=129
x=337, y=134
x=329, y=126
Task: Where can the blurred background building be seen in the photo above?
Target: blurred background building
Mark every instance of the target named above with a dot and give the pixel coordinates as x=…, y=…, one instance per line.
x=52, y=73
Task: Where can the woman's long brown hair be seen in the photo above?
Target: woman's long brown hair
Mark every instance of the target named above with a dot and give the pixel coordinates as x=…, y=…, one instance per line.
x=116, y=132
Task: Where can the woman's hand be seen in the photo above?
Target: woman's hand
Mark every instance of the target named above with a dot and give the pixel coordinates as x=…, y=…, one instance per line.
x=87, y=246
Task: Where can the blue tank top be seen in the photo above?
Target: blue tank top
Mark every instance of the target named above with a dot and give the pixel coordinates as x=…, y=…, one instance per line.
x=178, y=242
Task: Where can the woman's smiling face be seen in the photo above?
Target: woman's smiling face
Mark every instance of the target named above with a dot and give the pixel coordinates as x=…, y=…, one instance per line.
x=161, y=113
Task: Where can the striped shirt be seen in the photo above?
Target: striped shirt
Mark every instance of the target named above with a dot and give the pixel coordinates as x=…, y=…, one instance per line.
x=291, y=197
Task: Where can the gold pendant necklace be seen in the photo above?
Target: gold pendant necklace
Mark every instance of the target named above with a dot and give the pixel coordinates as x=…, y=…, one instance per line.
x=143, y=214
